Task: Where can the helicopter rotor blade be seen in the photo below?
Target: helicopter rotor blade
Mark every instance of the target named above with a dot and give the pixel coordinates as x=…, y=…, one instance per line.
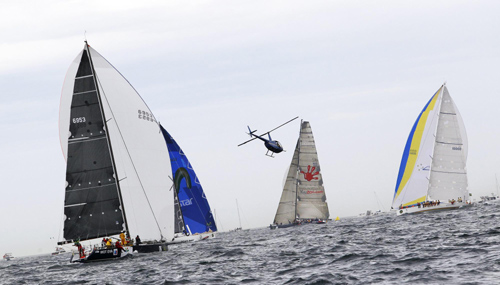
x=281, y=125
x=247, y=141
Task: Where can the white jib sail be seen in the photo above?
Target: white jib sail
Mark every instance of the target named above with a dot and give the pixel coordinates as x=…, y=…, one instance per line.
x=448, y=179
x=65, y=104
x=311, y=203
x=140, y=152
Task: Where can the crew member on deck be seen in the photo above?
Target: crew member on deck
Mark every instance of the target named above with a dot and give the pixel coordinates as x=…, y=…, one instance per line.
x=119, y=246
x=137, y=240
x=122, y=237
x=81, y=251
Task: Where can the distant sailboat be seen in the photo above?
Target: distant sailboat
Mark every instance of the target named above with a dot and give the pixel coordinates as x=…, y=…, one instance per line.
x=8, y=256
x=116, y=175
x=239, y=218
x=303, y=198
x=193, y=217
x=433, y=173
x=59, y=250
x=495, y=198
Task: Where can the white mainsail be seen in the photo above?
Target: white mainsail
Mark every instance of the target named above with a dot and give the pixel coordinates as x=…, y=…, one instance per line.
x=448, y=177
x=303, y=195
x=433, y=166
x=138, y=148
x=311, y=197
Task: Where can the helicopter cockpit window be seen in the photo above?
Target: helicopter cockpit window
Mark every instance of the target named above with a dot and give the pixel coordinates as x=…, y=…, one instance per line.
x=278, y=143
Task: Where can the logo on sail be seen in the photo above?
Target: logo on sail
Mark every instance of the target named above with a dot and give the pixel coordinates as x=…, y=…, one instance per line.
x=187, y=202
x=422, y=167
x=180, y=174
x=309, y=175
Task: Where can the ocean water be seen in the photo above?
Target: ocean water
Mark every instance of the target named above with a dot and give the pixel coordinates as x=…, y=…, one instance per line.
x=453, y=247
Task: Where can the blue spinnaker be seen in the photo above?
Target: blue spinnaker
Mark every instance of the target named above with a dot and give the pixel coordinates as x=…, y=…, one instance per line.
x=194, y=204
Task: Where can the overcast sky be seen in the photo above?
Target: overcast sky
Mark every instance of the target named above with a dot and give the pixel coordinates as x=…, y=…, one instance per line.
x=359, y=71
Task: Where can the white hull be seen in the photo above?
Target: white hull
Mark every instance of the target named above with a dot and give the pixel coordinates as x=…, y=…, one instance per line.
x=441, y=207
x=192, y=238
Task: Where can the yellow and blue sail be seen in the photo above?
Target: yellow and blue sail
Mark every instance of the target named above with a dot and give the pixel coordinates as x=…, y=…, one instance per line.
x=193, y=202
x=412, y=147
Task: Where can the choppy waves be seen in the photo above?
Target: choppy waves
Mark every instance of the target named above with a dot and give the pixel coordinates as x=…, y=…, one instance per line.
x=454, y=247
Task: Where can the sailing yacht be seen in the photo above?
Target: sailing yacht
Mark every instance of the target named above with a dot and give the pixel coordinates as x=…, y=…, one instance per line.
x=239, y=217
x=494, y=198
x=116, y=175
x=303, y=198
x=8, y=256
x=193, y=218
x=433, y=173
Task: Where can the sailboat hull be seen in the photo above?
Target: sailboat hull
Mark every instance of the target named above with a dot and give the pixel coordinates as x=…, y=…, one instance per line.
x=442, y=207
x=148, y=248
x=286, y=226
x=192, y=238
x=102, y=254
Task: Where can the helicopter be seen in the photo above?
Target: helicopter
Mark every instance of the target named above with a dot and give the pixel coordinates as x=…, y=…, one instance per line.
x=272, y=146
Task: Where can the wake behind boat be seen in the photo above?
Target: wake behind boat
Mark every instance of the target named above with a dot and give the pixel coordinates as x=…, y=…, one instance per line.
x=117, y=165
x=433, y=169
x=303, y=199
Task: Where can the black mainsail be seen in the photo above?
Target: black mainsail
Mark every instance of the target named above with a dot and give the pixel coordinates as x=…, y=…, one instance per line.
x=92, y=202
x=116, y=177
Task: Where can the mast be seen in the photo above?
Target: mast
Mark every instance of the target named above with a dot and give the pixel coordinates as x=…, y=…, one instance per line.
x=498, y=190
x=178, y=209
x=108, y=139
x=298, y=171
x=238, y=209
x=438, y=114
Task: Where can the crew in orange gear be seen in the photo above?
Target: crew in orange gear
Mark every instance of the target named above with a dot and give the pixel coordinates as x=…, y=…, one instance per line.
x=122, y=237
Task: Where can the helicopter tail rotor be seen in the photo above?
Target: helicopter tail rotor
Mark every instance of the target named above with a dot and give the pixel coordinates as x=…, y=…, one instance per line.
x=250, y=132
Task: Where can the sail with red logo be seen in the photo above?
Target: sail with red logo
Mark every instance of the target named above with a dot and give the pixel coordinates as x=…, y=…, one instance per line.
x=303, y=199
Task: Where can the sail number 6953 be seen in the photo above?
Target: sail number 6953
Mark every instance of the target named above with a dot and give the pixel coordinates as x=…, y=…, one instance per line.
x=79, y=120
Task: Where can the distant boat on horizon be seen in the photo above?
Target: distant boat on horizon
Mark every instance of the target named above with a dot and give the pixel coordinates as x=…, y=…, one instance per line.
x=493, y=198
x=239, y=218
x=59, y=250
x=303, y=199
x=8, y=256
x=433, y=173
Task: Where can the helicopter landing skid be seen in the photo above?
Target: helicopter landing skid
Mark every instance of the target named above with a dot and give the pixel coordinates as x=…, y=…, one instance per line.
x=269, y=155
